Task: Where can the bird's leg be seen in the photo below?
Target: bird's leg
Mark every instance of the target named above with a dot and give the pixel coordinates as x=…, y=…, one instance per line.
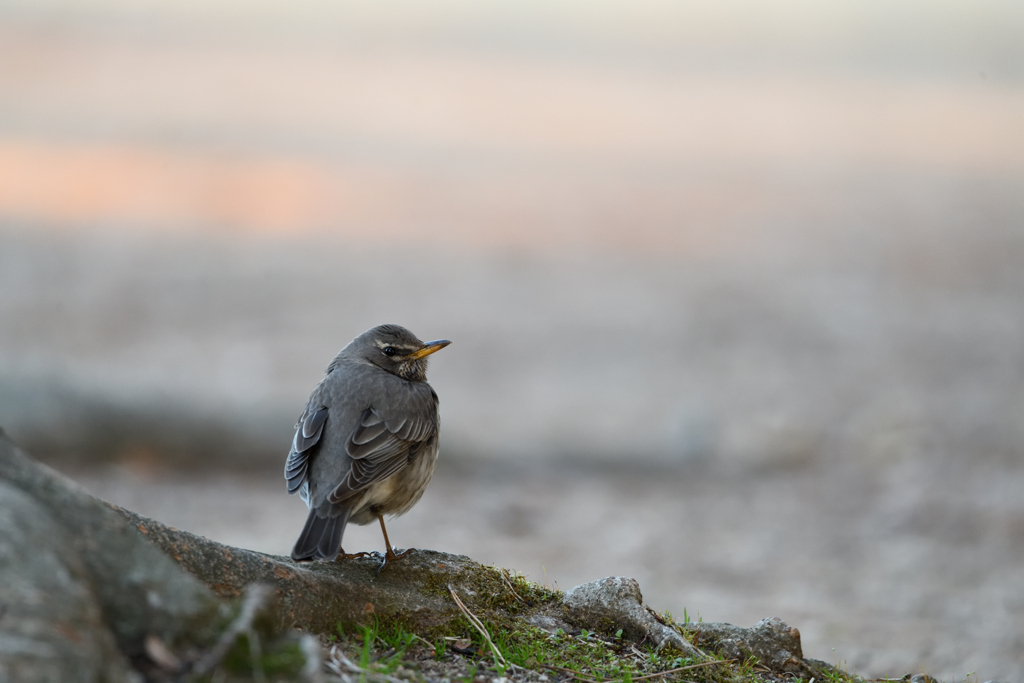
x=390, y=554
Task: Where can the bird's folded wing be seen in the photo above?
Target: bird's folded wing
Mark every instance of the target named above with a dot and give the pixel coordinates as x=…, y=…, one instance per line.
x=380, y=447
x=307, y=434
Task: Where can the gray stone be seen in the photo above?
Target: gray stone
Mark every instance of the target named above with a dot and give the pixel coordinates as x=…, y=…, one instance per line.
x=82, y=590
x=546, y=622
x=52, y=625
x=772, y=641
x=616, y=603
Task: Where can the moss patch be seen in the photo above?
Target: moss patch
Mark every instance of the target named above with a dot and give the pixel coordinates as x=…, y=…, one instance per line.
x=492, y=589
x=504, y=601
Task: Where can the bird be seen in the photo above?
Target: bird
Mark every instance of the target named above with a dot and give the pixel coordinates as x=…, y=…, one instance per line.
x=367, y=442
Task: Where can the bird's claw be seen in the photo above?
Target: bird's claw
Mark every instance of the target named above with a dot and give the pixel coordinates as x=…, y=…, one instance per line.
x=352, y=556
x=392, y=555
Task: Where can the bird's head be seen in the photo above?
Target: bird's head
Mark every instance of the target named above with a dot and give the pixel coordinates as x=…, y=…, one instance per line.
x=396, y=350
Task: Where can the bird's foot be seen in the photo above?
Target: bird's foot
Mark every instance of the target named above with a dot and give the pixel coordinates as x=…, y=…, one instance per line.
x=391, y=556
x=352, y=556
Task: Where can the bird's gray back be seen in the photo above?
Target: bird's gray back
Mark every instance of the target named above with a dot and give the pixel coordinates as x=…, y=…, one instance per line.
x=408, y=408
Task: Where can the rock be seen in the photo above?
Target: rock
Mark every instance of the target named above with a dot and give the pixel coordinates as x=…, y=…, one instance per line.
x=52, y=625
x=86, y=597
x=772, y=641
x=616, y=603
x=548, y=623
x=922, y=678
x=318, y=596
x=84, y=589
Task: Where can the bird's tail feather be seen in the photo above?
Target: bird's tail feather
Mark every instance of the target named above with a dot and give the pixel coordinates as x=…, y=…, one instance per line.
x=320, y=538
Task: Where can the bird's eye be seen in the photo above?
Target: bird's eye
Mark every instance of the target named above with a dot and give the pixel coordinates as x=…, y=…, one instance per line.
x=389, y=350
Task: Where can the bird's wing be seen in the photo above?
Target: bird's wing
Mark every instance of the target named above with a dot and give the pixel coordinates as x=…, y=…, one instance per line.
x=380, y=446
x=307, y=434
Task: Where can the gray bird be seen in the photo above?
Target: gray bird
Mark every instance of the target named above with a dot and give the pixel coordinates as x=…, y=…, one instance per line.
x=366, y=444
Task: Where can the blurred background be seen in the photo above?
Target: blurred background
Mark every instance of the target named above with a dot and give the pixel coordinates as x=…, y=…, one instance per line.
x=736, y=289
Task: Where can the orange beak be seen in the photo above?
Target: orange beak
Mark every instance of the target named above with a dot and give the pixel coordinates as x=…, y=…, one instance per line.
x=429, y=348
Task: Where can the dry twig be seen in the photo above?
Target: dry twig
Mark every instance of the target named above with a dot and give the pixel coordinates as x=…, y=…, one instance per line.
x=479, y=626
x=682, y=668
x=339, y=660
x=256, y=598
x=578, y=677
x=572, y=673
x=507, y=580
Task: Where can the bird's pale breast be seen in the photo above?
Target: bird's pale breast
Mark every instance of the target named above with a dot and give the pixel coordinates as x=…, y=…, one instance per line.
x=398, y=493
